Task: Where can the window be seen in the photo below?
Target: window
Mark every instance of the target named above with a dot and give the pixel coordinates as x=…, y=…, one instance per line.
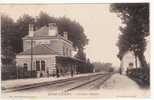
x=42, y=42
x=37, y=65
x=70, y=52
x=131, y=64
x=66, y=51
x=43, y=65
x=25, y=67
x=63, y=51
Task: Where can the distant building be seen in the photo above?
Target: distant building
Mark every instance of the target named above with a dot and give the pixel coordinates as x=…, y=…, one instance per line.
x=128, y=62
x=46, y=52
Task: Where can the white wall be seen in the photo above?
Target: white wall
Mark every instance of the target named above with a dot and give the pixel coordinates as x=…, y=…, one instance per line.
x=129, y=57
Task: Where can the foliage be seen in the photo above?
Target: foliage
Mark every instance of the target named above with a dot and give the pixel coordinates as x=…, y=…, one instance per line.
x=21, y=29
x=13, y=32
x=98, y=66
x=142, y=77
x=74, y=29
x=44, y=19
x=81, y=55
x=136, y=19
x=85, y=67
x=8, y=72
x=75, y=32
x=6, y=36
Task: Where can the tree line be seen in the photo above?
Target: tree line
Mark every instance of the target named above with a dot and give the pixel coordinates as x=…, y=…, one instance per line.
x=98, y=66
x=135, y=17
x=13, y=32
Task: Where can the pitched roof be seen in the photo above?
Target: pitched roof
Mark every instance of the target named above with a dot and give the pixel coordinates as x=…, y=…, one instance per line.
x=42, y=49
x=43, y=31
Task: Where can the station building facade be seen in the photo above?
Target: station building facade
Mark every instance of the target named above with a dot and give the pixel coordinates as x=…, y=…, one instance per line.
x=47, y=53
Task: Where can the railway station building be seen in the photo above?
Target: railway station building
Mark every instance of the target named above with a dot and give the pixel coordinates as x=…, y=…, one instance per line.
x=128, y=62
x=46, y=53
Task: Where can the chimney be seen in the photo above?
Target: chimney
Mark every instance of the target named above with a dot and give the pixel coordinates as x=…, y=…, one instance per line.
x=31, y=31
x=65, y=34
x=53, y=30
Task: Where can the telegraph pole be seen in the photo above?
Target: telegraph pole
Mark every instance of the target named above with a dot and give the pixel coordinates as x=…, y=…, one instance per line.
x=31, y=55
x=31, y=37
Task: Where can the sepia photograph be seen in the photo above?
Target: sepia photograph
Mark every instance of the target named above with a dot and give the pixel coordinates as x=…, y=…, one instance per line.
x=75, y=50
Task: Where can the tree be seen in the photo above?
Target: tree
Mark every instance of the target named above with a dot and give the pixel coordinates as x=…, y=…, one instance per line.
x=81, y=55
x=7, y=25
x=103, y=67
x=90, y=66
x=15, y=31
x=75, y=30
x=44, y=19
x=22, y=27
x=136, y=19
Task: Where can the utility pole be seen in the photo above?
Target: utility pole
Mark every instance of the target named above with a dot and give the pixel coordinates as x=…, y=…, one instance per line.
x=31, y=32
x=31, y=55
x=31, y=35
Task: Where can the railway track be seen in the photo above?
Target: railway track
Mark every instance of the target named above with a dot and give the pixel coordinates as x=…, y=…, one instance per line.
x=65, y=85
x=92, y=84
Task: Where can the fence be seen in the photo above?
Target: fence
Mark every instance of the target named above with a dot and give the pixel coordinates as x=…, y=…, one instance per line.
x=8, y=72
x=13, y=72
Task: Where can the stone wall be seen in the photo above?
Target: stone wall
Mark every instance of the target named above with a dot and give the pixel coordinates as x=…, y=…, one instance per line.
x=27, y=43
x=57, y=45
x=49, y=62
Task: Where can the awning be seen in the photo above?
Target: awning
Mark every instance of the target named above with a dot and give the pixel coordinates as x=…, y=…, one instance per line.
x=64, y=59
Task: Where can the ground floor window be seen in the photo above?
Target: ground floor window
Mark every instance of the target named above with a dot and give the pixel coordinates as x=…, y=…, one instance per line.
x=25, y=67
x=43, y=65
x=37, y=65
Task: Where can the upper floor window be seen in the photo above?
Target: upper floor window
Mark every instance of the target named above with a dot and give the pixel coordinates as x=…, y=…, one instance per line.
x=66, y=51
x=42, y=42
x=63, y=51
x=70, y=52
x=29, y=41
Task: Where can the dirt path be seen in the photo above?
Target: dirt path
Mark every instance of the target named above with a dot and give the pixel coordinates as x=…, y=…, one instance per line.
x=122, y=86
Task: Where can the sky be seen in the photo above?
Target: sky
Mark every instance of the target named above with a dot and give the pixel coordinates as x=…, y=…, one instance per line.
x=100, y=25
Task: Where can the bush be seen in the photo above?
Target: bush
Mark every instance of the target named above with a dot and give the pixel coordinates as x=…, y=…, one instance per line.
x=140, y=75
x=103, y=67
x=8, y=72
